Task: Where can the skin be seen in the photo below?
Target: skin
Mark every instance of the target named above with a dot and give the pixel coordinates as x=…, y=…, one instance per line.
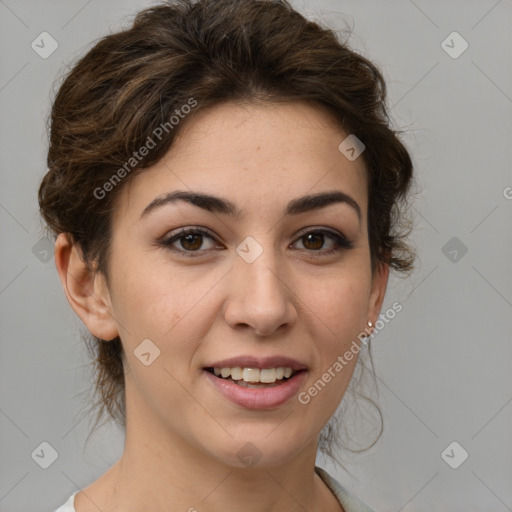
x=182, y=435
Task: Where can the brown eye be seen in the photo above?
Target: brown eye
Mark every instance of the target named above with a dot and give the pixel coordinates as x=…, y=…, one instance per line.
x=313, y=242
x=190, y=241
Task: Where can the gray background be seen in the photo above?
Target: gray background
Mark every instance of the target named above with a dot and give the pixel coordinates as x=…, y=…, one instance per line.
x=443, y=363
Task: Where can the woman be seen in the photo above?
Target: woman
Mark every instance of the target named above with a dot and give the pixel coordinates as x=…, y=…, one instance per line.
x=224, y=188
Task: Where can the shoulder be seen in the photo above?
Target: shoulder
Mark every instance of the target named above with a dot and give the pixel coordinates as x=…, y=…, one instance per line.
x=348, y=501
x=69, y=506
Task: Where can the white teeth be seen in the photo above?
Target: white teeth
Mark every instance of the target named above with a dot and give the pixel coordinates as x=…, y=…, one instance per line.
x=254, y=375
x=236, y=373
x=251, y=374
x=268, y=375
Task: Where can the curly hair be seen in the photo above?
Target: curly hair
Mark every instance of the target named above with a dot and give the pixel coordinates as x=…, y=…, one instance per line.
x=130, y=83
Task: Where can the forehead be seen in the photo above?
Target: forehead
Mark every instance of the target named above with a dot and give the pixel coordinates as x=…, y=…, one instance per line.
x=259, y=155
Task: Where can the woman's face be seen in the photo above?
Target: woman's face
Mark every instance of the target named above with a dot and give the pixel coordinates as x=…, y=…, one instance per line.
x=257, y=290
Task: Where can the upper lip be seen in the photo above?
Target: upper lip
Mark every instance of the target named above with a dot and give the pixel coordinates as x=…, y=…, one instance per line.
x=247, y=361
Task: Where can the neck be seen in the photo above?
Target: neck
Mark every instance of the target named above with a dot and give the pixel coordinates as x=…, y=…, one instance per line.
x=183, y=479
x=159, y=471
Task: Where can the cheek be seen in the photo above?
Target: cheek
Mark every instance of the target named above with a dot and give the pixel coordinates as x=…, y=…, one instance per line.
x=158, y=301
x=337, y=306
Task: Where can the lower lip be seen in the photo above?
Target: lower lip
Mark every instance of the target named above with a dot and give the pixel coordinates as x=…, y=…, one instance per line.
x=258, y=398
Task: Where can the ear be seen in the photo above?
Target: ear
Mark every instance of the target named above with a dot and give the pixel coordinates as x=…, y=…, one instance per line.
x=378, y=291
x=86, y=290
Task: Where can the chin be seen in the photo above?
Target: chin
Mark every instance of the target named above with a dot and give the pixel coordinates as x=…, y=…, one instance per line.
x=261, y=451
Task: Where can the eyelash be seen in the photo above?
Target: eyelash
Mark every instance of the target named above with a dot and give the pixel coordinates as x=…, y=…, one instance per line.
x=342, y=242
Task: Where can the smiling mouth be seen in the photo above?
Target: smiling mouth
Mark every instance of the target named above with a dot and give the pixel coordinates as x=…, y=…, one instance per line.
x=255, y=377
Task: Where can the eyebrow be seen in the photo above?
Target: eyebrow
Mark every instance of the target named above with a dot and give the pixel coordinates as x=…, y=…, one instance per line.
x=224, y=206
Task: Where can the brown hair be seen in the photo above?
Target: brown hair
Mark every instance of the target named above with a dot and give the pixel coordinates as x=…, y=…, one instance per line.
x=130, y=83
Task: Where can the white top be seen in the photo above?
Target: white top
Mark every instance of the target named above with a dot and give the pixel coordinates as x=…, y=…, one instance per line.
x=348, y=501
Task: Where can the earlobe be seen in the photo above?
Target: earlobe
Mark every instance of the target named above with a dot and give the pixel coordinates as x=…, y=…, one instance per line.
x=85, y=290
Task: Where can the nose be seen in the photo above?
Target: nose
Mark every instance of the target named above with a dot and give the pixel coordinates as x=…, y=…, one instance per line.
x=259, y=296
